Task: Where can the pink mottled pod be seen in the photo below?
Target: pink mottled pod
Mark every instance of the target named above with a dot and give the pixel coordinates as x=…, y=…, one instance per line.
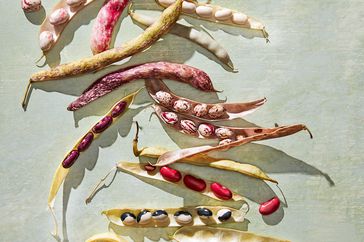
x=102, y=124
x=85, y=142
x=269, y=206
x=119, y=109
x=70, y=159
x=220, y=191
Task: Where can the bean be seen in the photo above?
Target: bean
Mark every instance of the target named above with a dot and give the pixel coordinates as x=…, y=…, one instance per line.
x=163, y=70
x=206, y=130
x=70, y=159
x=160, y=216
x=119, y=109
x=106, y=58
x=59, y=16
x=128, y=218
x=170, y=117
x=188, y=126
x=181, y=106
x=31, y=5
x=194, y=183
x=144, y=217
x=239, y=18
x=188, y=7
x=85, y=142
x=204, y=213
x=149, y=167
x=204, y=11
x=46, y=40
x=104, y=26
x=170, y=174
x=223, y=14
x=269, y=206
x=183, y=217
x=220, y=191
x=224, y=214
x=102, y=124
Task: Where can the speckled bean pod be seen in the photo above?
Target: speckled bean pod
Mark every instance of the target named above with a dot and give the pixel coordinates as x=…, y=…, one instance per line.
x=160, y=70
x=138, y=170
x=105, y=22
x=236, y=216
x=54, y=24
x=217, y=14
x=198, y=37
x=162, y=95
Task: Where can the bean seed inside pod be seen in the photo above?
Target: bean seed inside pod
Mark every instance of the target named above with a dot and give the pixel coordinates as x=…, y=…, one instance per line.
x=225, y=141
x=239, y=18
x=169, y=117
x=224, y=214
x=31, y=5
x=102, y=124
x=149, y=167
x=128, y=218
x=118, y=109
x=85, y=142
x=204, y=11
x=70, y=159
x=188, y=7
x=144, y=217
x=160, y=215
x=181, y=106
x=194, y=183
x=204, y=213
x=223, y=133
x=220, y=191
x=170, y=174
x=223, y=14
x=216, y=111
x=206, y=130
x=164, y=98
x=183, y=217
x=46, y=40
x=200, y=110
x=188, y=126
x=59, y=16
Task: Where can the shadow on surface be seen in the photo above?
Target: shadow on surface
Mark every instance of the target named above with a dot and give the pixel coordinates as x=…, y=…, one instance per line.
x=36, y=17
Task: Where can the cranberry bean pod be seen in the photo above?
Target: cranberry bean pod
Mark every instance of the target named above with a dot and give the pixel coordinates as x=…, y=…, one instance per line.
x=82, y=145
x=170, y=174
x=97, y=62
x=230, y=111
x=237, y=216
x=161, y=70
x=198, y=37
x=220, y=191
x=54, y=24
x=189, y=181
x=269, y=206
x=217, y=14
x=281, y=131
x=105, y=22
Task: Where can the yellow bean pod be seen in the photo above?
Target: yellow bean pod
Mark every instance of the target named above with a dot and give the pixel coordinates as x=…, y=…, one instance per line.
x=106, y=237
x=209, y=234
x=218, y=216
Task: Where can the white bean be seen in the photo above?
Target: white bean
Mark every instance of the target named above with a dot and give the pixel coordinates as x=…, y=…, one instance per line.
x=223, y=14
x=239, y=18
x=46, y=40
x=204, y=11
x=188, y=7
x=59, y=16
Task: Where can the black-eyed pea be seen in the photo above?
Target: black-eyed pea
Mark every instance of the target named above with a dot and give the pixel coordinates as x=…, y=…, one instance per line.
x=128, y=218
x=183, y=217
x=144, y=217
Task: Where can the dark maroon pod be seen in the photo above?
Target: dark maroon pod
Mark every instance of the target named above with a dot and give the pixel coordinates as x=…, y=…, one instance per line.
x=70, y=159
x=85, y=142
x=102, y=124
x=118, y=109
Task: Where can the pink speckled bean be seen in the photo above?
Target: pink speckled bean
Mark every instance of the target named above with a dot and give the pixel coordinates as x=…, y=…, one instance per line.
x=85, y=142
x=102, y=124
x=105, y=23
x=70, y=159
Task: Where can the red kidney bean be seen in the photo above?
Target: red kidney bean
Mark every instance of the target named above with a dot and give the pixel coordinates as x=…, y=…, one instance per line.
x=194, y=183
x=269, y=206
x=85, y=142
x=70, y=159
x=220, y=191
x=118, y=109
x=149, y=167
x=170, y=174
x=102, y=124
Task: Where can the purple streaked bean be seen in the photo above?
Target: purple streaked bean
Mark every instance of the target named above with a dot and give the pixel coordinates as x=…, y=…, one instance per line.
x=85, y=142
x=70, y=159
x=102, y=124
x=119, y=109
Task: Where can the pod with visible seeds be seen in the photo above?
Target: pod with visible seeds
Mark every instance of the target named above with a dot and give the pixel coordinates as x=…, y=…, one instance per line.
x=207, y=111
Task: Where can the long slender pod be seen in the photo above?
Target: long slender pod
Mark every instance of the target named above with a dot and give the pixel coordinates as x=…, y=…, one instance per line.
x=198, y=37
x=143, y=41
x=173, y=156
x=104, y=26
x=160, y=70
x=82, y=144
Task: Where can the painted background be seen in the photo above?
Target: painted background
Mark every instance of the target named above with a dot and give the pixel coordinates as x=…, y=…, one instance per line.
x=311, y=73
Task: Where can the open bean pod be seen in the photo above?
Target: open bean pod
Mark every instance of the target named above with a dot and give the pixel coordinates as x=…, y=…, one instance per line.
x=162, y=95
x=82, y=144
x=200, y=38
x=204, y=130
x=281, y=131
x=210, y=234
x=175, y=217
x=106, y=237
x=54, y=24
x=172, y=176
x=217, y=14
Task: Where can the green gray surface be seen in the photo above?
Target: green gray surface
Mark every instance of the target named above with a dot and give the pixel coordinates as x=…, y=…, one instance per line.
x=311, y=73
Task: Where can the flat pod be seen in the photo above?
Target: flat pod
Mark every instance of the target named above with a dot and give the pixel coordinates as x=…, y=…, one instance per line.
x=106, y=237
x=210, y=234
x=217, y=14
x=237, y=216
x=200, y=38
x=158, y=90
x=160, y=70
x=195, y=127
x=54, y=24
x=138, y=170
